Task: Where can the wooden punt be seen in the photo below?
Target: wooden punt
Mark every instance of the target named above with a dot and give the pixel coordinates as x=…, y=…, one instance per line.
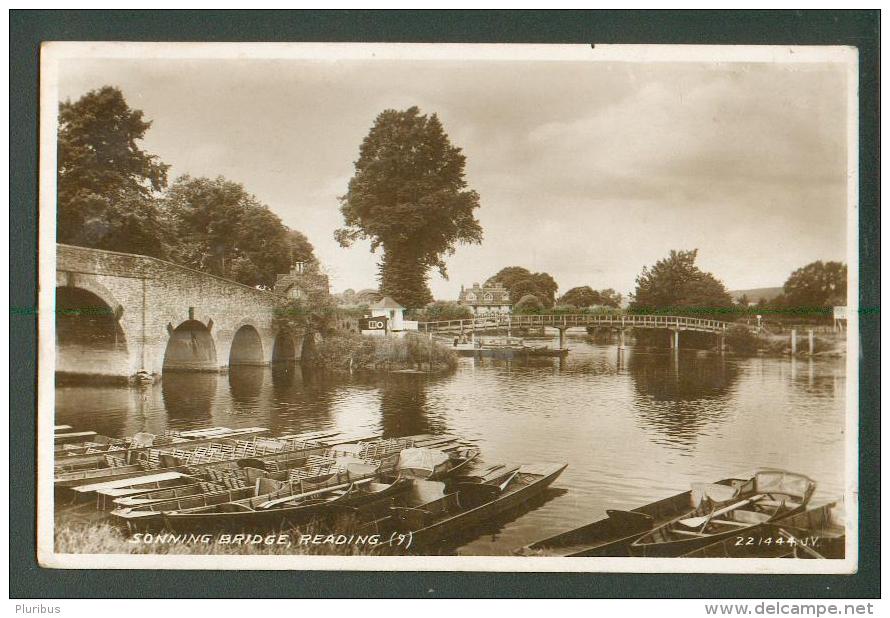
x=274, y=511
x=105, y=496
x=171, y=462
x=818, y=533
x=612, y=535
x=430, y=514
x=767, y=497
x=167, y=493
x=81, y=459
x=281, y=466
x=73, y=436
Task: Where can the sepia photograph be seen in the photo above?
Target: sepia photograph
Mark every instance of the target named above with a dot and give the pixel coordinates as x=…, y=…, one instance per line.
x=475, y=307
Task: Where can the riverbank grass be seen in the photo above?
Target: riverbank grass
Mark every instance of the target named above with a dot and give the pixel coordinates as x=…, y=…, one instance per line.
x=352, y=353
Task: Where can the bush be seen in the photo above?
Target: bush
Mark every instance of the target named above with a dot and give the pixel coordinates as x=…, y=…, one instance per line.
x=442, y=310
x=528, y=304
x=742, y=339
x=353, y=352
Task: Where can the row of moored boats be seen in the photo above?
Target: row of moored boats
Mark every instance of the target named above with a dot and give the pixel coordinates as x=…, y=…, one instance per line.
x=432, y=487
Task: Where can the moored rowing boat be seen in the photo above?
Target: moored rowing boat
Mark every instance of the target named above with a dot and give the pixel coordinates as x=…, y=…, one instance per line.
x=430, y=513
x=612, y=535
x=767, y=497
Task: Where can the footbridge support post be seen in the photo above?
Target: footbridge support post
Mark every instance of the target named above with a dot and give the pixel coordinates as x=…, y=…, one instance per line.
x=675, y=338
x=562, y=336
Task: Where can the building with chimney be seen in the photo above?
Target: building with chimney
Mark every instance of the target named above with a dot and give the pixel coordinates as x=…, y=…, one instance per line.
x=304, y=281
x=486, y=300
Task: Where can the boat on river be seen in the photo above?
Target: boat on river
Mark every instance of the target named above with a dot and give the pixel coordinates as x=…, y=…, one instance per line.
x=612, y=535
x=769, y=496
x=291, y=503
x=818, y=533
x=431, y=511
x=98, y=453
x=236, y=480
x=215, y=454
x=505, y=347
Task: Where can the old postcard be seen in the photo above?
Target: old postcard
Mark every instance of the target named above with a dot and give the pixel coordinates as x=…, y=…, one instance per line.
x=448, y=307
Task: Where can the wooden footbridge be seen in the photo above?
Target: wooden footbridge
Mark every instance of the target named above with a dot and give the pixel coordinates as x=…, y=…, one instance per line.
x=563, y=322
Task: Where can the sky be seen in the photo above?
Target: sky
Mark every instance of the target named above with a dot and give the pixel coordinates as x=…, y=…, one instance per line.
x=586, y=170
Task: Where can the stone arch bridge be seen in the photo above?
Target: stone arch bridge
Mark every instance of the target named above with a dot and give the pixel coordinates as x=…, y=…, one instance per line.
x=119, y=315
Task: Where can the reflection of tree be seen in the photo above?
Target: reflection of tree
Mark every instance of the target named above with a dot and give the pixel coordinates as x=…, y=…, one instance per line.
x=681, y=395
x=403, y=406
x=302, y=399
x=188, y=395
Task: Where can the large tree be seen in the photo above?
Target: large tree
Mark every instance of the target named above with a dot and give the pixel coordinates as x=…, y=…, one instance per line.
x=442, y=310
x=106, y=182
x=676, y=285
x=818, y=284
x=409, y=197
x=583, y=296
x=224, y=230
x=520, y=282
x=610, y=298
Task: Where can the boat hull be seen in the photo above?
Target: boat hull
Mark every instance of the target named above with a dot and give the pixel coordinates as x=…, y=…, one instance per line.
x=447, y=527
x=277, y=518
x=613, y=535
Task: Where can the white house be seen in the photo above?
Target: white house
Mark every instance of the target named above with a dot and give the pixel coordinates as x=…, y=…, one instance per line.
x=486, y=300
x=394, y=313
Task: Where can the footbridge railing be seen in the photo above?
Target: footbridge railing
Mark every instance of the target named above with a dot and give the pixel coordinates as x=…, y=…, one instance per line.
x=566, y=321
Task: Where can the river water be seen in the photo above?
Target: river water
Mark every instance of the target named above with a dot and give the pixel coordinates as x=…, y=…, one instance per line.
x=633, y=427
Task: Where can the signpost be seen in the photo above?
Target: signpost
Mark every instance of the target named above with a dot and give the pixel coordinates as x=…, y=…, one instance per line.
x=378, y=324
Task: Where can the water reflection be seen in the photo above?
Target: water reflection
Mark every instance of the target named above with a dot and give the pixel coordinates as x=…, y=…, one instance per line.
x=189, y=395
x=403, y=406
x=680, y=395
x=633, y=427
x=246, y=383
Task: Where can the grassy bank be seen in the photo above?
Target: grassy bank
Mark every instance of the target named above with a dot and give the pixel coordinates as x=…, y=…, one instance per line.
x=350, y=353
x=104, y=538
x=743, y=340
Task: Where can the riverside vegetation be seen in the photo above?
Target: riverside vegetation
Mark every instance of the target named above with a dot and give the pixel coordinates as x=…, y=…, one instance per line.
x=353, y=353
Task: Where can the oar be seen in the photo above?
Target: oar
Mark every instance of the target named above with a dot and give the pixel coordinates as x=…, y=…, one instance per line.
x=503, y=485
x=695, y=522
x=270, y=503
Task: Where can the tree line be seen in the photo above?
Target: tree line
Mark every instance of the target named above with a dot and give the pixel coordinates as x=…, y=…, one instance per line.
x=114, y=195
x=408, y=197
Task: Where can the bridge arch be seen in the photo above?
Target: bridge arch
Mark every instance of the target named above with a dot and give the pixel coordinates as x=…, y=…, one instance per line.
x=284, y=348
x=190, y=348
x=89, y=335
x=247, y=347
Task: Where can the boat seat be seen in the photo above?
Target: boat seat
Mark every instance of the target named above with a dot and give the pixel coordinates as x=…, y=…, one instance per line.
x=689, y=533
x=749, y=517
x=729, y=522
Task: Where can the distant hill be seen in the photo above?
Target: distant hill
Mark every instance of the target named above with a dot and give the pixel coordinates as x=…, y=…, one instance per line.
x=755, y=294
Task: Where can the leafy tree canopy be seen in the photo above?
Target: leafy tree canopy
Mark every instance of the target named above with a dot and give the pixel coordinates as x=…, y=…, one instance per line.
x=676, y=285
x=109, y=197
x=409, y=197
x=105, y=180
x=528, y=304
x=520, y=282
x=818, y=284
x=585, y=296
x=224, y=230
x=442, y=310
